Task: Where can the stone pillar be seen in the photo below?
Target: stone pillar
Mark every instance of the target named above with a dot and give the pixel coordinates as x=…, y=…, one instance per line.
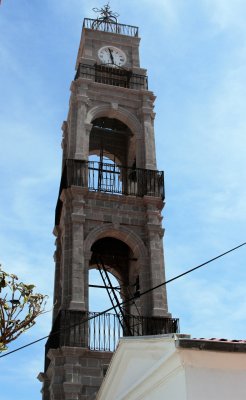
x=66, y=233
x=82, y=128
x=140, y=152
x=149, y=136
x=156, y=268
x=87, y=258
x=64, y=143
x=150, y=161
x=78, y=299
x=145, y=284
x=57, y=282
x=80, y=138
x=73, y=291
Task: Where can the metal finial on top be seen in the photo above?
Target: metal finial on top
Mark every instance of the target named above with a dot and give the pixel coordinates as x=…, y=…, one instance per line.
x=106, y=21
x=106, y=14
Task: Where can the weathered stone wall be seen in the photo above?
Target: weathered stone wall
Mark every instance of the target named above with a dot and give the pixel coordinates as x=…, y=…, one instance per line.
x=90, y=216
x=90, y=100
x=74, y=373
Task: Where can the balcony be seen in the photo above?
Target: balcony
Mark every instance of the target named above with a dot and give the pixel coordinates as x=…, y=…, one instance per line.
x=110, y=178
x=112, y=76
x=102, y=332
x=109, y=26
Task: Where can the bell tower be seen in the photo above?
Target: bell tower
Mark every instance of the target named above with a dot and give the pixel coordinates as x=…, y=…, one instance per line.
x=108, y=213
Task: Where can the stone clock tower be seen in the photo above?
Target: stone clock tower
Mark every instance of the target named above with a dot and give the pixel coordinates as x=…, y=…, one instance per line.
x=108, y=213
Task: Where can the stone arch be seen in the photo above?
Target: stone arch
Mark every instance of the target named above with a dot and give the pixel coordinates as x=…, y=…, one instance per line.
x=123, y=115
x=135, y=270
x=120, y=113
x=125, y=235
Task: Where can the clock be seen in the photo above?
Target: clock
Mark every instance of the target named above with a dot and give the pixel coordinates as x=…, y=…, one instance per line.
x=112, y=55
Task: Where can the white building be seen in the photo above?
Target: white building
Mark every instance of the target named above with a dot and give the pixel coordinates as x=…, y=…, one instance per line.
x=176, y=367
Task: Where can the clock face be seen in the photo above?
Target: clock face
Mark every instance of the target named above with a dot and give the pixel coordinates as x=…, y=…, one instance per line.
x=111, y=55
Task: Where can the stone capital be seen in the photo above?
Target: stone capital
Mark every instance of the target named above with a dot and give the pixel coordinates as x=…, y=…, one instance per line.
x=82, y=99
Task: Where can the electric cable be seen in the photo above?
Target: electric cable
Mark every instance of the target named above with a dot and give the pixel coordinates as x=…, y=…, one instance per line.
x=127, y=301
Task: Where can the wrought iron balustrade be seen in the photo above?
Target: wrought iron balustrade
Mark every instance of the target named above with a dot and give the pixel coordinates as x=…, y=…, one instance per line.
x=102, y=332
x=110, y=178
x=109, y=75
x=113, y=178
x=109, y=26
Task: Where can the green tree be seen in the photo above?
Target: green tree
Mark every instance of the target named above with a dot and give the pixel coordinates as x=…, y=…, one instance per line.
x=19, y=307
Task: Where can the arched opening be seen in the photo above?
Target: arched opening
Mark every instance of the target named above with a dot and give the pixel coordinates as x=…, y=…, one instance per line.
x=104, y=330
x=114, y=261
x=110, y=138
x=115, y=257
x=110, y=154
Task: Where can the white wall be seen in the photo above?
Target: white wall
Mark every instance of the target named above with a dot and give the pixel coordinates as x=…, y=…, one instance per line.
x=156, y=368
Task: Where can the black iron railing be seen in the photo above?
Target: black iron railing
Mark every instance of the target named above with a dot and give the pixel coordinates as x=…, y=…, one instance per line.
x=102, y=332
x=110, y=178
x=109, y=75
x=109, y=26
x=113, y=178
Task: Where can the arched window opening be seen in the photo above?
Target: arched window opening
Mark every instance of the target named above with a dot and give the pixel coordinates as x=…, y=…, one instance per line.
x=112, y=256
x=104, y=328
x=111, y=138
x=109, y=143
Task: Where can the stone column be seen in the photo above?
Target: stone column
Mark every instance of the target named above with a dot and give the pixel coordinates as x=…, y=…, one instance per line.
x=57, y=282
x=82, y=128
x=66, y=237
x=149, y=137
x=64, y=143
x=140, y=152
x=156, y=267
x=145, y=284
x=87, y=258
x=78, y=300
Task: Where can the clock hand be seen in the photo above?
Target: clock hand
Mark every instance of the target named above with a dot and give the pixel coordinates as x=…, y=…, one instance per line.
x=111, y=55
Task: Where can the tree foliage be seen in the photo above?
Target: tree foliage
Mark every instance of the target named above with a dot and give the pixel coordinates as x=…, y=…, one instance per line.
x=19, y=307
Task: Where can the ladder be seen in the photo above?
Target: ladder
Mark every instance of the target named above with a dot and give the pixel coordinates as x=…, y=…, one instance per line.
x=131, y=325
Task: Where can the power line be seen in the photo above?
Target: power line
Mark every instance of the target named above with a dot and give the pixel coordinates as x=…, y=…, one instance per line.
x=129, y=300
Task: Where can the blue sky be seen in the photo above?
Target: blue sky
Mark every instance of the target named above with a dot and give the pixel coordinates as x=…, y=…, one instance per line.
x=195, y=52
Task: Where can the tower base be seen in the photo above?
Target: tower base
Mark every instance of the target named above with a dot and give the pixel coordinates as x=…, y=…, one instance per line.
x=74, y=373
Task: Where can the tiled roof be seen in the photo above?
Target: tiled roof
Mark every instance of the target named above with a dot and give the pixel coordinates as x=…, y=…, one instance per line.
x=221, y=340
x=213, y=344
